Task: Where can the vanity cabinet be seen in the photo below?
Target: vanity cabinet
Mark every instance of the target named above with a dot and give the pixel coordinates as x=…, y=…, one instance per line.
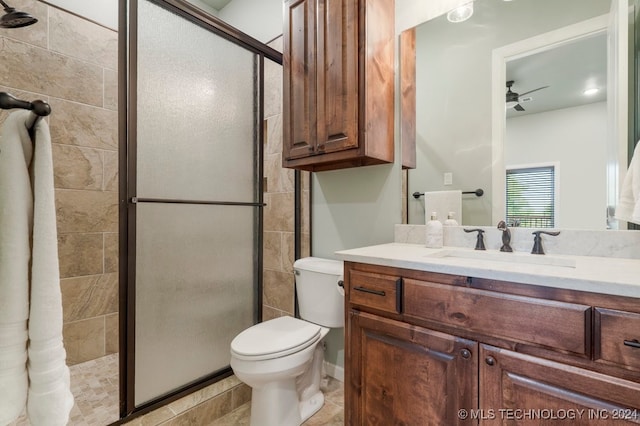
x=338, y=96
x=425, y=348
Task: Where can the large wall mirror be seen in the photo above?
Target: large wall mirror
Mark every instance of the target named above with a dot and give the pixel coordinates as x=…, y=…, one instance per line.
x=548, y=52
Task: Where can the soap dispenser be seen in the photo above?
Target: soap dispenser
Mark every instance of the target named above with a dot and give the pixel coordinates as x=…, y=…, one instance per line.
x=451, y=220
x=435, y=233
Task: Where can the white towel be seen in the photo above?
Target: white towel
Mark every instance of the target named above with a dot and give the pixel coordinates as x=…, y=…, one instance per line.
x=443, y=202
x=628, y=208
x=29, y=281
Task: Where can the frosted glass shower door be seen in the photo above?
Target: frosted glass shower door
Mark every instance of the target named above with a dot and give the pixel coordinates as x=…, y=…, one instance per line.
x=197, y=200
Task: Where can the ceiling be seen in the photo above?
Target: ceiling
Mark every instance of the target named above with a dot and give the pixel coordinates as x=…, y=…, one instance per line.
x=217, y=4
x=568, y=70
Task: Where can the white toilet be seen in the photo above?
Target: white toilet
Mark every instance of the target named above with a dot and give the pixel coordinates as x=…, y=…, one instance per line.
x=281, y=359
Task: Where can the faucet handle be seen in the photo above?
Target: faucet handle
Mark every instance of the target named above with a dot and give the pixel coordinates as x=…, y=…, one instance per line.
x=480, y=239
x=537, y=240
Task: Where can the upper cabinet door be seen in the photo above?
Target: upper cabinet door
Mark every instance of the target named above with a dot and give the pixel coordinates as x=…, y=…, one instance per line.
x=338, y=83
x=299, y=64
x=337, y=75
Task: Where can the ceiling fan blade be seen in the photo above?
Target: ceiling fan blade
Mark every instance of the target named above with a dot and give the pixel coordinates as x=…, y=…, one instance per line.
x=518, y=107
x=534, y=90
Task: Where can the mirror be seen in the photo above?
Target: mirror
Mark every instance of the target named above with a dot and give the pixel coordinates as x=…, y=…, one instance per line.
x=464, y=131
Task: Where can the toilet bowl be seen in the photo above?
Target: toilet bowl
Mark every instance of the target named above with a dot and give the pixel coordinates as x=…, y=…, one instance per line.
x=281, y=359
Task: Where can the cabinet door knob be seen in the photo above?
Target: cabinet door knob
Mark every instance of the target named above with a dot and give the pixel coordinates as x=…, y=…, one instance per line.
x=490, y=360
x=465, y=353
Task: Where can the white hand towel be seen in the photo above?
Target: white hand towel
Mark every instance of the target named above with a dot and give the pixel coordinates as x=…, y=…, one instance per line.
x=628, y=208
x=443, y=202
x=49, y=398
x=16, y=212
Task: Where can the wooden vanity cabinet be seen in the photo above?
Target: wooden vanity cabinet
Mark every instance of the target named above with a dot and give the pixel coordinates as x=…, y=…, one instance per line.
x=338, y=97
x=421, y=348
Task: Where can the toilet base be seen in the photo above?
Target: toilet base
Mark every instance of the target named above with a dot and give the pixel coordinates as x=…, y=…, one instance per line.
x=311, y=406
x=271, y=404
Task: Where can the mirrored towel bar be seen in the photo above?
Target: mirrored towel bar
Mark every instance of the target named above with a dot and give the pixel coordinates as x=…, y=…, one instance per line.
x=478, y=192
x=38, y=109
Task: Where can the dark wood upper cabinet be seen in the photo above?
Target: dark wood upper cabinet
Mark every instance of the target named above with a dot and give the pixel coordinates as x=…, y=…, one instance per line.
x=338, y=83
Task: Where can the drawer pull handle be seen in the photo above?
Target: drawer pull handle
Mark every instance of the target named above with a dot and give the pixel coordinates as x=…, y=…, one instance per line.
x=632, y=343
x=368, y=290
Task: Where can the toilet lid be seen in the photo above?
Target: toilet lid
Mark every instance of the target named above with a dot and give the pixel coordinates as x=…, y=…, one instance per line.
x=276, y=337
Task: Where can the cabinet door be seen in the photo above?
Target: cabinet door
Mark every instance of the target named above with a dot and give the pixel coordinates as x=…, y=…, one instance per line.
x=299, y=85
x=521, y=389
x=407, y=375
x=337, y=70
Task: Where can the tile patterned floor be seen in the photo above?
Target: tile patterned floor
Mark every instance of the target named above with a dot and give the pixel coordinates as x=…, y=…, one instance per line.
x=94, y=385
x=331, y=414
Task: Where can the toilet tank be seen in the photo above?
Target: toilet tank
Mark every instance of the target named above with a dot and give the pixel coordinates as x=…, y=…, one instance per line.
x=320, y=298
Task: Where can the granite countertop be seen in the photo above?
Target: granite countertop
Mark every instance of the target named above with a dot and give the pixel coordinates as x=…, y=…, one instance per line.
x=604, y=275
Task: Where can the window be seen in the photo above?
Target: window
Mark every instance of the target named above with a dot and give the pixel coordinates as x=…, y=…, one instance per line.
x=531, y=196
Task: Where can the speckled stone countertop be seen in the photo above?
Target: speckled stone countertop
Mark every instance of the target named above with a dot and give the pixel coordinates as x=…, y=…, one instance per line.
x=606, y=275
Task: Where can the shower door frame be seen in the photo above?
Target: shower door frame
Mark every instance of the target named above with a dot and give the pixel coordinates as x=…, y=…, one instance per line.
x=127, y=117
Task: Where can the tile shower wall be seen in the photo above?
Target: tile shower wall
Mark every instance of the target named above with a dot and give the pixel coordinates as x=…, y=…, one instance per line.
x=278, y=283
x=72, y=63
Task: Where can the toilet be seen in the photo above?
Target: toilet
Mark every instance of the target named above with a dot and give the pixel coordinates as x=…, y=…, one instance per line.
x=281, y=359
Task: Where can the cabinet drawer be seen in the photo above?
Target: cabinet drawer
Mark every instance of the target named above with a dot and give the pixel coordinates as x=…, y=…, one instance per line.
x=555, y=325
x=618, y=337
x=377, y=291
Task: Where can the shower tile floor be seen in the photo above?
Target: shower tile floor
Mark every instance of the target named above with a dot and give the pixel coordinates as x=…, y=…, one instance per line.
x=331, y=414
x=94, y=385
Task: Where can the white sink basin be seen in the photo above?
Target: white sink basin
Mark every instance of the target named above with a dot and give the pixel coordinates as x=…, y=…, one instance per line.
x=498, y=256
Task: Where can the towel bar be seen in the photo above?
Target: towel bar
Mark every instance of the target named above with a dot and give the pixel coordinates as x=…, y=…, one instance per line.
x=479, y=193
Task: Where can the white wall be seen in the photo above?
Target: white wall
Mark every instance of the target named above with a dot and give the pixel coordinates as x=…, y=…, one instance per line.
x=261, y=19
x=575, y=138
x=104, y=12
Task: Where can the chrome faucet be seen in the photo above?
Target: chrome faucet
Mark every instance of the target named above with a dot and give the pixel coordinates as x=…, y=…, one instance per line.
x=506, y=237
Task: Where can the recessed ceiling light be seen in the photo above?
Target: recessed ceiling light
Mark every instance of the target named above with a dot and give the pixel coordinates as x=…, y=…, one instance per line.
x=591, y=91
x=460, y=13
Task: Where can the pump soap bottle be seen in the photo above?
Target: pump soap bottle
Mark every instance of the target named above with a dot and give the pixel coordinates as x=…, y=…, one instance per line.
x=435, y=233
x=451, y=220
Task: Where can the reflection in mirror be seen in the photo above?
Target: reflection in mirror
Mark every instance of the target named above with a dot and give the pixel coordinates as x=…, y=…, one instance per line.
x=456, y=82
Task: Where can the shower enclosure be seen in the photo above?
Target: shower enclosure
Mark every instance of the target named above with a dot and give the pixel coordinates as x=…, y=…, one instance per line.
x=190, y=197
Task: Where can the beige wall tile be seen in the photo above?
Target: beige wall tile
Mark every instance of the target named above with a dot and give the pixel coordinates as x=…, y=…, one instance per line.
x=241, y=394
x=202, y=395
x=154, y=418
x=270, y=313
x=205, y=412
x=273, y=133
x=272, y=250
x=111, y=251
x=82, y=39
x=86, y=211
x=288, y=251
x=111, y=333
x=84, y=340
x=110, y=160
x=273, y=88
x=77, y=167
x=111, y=89
x=89, y=296
x=80, y=254
x=278, y=214
x=278, y=290
x=35, y=34
x=83, y=125
x=280, y=179
x=34, y=69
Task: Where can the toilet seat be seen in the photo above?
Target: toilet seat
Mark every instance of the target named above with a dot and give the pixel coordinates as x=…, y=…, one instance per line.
x=274, y=339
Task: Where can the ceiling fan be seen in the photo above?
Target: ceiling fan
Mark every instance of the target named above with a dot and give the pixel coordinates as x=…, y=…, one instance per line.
x=514, y=99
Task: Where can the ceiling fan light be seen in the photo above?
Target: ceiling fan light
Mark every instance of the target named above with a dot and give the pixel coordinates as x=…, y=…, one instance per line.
x=460, y=13
x=591, y=91
x=511, y=104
